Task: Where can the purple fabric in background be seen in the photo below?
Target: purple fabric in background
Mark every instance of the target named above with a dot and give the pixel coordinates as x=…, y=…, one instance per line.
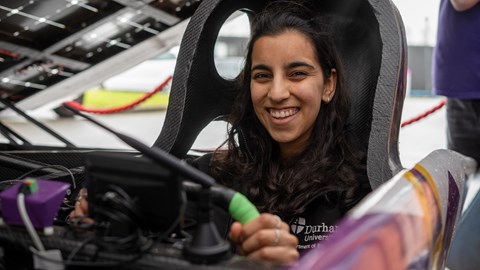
x=456, y=58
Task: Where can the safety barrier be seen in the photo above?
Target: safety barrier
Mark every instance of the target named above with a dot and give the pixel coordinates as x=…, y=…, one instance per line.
x=124, y=107
x=425, y=114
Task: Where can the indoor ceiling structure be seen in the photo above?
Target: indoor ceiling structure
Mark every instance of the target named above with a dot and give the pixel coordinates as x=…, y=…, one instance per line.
x=53, y=49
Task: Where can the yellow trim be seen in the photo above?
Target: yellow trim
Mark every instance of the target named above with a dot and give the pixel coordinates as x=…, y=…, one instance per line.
x=432, y=184
x=423, y=202
x=438, y=242
x=102, y=98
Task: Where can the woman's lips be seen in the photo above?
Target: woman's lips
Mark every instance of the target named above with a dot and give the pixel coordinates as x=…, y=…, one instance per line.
x=282, y=113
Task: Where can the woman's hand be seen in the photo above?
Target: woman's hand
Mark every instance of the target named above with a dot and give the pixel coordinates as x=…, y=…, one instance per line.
x=80, y=213
x=266, y=237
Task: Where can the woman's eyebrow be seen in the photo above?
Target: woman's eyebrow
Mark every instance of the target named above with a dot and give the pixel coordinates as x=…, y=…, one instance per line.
x=299, y=64
x=260, y=67
x=288, y=66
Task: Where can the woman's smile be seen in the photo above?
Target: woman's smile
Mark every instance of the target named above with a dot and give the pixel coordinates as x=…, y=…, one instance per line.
x=282, y=113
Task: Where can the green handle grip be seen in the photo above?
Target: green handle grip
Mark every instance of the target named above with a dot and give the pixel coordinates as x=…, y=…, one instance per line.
x=241, y=209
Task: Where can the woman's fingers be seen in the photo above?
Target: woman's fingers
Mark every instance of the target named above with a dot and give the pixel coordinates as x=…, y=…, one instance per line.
x=276, y=254
x=264, y=221
x=236, y=232
x=266, y=238
x=269, y=238
x=81, y=208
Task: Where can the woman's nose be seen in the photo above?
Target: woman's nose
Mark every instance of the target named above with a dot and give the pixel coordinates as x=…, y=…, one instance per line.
x=278, y=90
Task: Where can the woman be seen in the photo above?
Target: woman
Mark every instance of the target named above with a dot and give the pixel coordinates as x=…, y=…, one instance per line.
x=288, y=144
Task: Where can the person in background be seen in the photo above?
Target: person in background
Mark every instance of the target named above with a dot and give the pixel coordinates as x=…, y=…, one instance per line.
x=456, y=73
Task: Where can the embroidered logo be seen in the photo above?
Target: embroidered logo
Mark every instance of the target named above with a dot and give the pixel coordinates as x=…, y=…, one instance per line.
x=298, y=225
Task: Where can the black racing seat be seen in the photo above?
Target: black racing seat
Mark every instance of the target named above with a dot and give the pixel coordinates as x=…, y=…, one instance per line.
x=373, y=49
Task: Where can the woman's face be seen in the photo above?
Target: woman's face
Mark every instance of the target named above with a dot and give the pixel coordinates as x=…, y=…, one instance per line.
x=287, y=88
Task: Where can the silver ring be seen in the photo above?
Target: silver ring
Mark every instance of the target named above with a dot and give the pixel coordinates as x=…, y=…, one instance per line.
x=278, y=223
x=277, y=237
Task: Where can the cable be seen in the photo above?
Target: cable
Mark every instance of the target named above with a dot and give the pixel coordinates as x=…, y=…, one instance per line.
x=76, y=223
x=156, y=154
x=121, y=108
x=77, y=249
x=123, y=210
x=74, y=184
x=9, y=183
x=235, y=203
x=124, y=200
x=28, y=224
x=106, y=243
x=117, y=206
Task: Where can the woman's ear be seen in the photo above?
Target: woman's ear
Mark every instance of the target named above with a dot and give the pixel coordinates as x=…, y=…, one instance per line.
x=330, y=86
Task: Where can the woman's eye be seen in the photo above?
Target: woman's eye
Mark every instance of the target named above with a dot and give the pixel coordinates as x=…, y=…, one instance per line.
x=260, y=76
x=297, y=74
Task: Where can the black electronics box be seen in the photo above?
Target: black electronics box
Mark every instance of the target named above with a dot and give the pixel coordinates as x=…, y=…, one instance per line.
x=123, y=185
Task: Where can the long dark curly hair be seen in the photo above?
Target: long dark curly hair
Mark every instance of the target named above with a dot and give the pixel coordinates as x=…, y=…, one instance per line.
x=330, y=165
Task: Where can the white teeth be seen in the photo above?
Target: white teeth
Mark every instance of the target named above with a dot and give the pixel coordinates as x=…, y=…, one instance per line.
x=283, y=113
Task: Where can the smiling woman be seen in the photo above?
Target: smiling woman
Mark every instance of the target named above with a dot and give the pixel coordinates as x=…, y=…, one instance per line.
x=289, y=147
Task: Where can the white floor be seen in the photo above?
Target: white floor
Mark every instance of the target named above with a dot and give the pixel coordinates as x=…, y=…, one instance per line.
x=422, y=137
